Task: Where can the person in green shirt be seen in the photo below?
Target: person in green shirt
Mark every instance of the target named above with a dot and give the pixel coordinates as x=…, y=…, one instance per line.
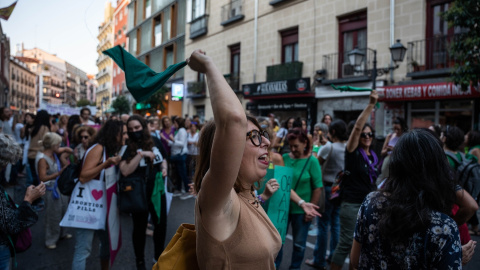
x=305, y=194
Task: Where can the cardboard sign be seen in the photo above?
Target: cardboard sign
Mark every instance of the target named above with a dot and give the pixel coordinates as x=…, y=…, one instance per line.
x=278, y=205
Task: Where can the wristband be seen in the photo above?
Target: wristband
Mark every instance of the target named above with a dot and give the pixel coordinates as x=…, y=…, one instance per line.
x=300, y=202
x=262, y=201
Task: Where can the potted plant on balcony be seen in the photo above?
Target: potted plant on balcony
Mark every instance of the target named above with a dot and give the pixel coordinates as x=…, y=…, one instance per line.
x=416, y=67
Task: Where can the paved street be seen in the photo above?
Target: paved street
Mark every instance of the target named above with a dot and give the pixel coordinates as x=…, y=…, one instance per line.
x=38, y=257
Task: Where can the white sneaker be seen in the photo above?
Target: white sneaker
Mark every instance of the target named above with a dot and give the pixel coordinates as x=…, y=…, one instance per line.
x=313, y=232
x=186, y=196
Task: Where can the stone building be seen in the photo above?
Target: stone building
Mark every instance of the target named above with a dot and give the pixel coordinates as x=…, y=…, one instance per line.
x=104, y=63
x=156, y=36
x=22, y=86
x=281, y=57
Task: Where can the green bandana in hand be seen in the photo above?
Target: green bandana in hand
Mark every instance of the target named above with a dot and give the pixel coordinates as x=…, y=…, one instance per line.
x=142, y=82
x=350, y=88
x=158, y=191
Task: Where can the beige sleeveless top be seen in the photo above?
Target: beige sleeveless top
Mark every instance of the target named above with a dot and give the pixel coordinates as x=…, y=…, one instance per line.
x=253, y=245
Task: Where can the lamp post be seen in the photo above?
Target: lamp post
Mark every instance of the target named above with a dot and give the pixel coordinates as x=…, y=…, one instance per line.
x=357, y=56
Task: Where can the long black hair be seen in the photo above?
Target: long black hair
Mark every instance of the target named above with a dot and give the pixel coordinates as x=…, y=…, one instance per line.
x=110, y=136
x=42, y=119
x=145, y=143
x=420, y=182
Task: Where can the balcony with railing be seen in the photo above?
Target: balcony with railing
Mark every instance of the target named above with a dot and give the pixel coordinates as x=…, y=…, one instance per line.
x=234, y=81
x=344, y=72
x=199, y=26
x=232, y=12
x=103, y=72
x=196, y=90
x=103, y=87
x=285, y=71
x=430, y=57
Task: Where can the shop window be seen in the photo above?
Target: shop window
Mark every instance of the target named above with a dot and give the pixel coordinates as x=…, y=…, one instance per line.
x=289, y=45
x=445, y=112
x=352, y=33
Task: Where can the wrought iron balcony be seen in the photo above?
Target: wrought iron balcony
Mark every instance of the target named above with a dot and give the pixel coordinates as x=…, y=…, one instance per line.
x=199, y=26
x=232, y=12
x=234, y=81
x=286, y=71
x=339, y=68
x=196, y=89
x=430, y=57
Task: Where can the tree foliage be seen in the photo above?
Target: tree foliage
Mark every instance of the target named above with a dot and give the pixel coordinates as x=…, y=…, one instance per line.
x=465, y=15
x=121, y=105
x=157, y=101
x=83, y=103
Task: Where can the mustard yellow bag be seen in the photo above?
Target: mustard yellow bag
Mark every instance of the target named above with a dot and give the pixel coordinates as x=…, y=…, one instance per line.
x=180, y=253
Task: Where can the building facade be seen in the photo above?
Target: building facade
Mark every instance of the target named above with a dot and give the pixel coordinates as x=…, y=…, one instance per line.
x=156, y=36
x=105, y=63
x=4, y=68
x=282, y=57
x=91, y=90
x=76, y=85
x=22, y=86
x=51, y=71
x=120, y=38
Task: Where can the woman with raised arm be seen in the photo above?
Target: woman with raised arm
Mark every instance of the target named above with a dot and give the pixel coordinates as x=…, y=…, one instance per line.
x=233, y=230
x=359, y=180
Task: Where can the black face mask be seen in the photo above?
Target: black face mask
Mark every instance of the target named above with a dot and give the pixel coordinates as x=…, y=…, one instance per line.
x=135, y=135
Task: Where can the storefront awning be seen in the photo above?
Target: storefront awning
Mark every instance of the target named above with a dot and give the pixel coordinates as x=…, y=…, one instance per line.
x=429, y=91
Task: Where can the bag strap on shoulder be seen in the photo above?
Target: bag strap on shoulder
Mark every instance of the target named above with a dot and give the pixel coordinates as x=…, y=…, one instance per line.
x=300, y=177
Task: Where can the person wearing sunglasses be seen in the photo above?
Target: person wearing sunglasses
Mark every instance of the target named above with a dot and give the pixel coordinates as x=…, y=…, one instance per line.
x=84, y=136
x=232, y=229
x=358, y=182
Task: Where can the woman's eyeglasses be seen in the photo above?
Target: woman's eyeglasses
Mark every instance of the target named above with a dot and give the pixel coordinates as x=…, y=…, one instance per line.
x=366, y=134
x=256, y=136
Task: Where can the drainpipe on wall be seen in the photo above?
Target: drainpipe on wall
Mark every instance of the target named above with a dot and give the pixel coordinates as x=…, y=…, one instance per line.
x=255, y=36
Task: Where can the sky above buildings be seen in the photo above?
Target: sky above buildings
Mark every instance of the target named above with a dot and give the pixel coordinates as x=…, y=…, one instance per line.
x=66, y=28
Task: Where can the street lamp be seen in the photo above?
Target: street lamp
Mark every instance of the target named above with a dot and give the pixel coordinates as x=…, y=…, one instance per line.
x=357, y=56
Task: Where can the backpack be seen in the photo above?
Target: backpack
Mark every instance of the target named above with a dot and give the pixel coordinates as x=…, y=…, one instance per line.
x=468, y=174
x=335, y=194
x=69, y=178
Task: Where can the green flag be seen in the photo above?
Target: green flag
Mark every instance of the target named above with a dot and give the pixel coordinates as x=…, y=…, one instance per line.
x=350, y=88
x=142, y=81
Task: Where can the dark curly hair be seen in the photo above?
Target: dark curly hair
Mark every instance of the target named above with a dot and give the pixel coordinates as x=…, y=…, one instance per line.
x=454, y=137
x=145, y=143
x=420, y=182
x=110, y=136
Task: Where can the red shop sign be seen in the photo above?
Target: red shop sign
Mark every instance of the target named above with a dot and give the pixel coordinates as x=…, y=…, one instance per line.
x=427, y=91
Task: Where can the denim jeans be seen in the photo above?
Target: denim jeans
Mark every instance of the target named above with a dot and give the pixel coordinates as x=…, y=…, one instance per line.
x=4, y=257
x=329, y=218
x=300, y=234
x=83, y=246
x=179, y=162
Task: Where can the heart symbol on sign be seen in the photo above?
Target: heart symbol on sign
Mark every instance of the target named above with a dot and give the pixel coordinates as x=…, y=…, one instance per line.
x=97, y=194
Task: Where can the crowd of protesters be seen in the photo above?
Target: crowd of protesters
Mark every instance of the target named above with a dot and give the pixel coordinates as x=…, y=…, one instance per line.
x=403, y=208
